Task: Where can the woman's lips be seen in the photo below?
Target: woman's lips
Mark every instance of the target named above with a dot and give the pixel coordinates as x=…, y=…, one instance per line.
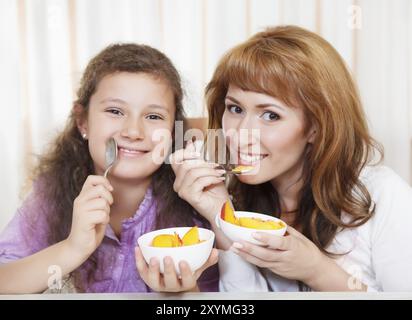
x=250, y=159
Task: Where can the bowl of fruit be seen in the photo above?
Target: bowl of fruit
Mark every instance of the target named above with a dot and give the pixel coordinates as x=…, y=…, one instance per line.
x=240, y=225
x=191, y=244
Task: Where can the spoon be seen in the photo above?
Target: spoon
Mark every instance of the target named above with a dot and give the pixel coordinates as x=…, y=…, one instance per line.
x=230, y=169
x=236, y=170
x=111, y=155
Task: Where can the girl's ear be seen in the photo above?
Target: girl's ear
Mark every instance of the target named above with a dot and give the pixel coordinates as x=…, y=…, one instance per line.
x=81, y=120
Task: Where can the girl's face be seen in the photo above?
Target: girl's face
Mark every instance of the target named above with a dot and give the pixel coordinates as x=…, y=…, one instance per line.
x=277, y=148
x=134, y=108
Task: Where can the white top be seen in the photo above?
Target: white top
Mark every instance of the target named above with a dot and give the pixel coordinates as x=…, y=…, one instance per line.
x=380, y=252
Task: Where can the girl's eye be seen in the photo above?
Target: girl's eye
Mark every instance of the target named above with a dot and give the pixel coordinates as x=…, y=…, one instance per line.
x=154, y=117
x=234, y=109
x=116, y=112
x=270, y=116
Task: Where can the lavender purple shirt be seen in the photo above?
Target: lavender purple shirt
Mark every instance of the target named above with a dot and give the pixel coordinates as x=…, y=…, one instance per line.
x=115, y=270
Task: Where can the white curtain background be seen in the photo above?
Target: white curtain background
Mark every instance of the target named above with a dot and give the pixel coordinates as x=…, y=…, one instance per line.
x=46, y=44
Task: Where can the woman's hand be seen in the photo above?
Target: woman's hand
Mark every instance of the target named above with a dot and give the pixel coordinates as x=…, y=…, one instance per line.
x=292, y=256
x=199, y=182
x=169, y=281
x=91, y=211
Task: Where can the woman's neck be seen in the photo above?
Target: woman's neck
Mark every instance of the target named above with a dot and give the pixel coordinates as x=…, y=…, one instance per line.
x=127, y=196
x=288, y=187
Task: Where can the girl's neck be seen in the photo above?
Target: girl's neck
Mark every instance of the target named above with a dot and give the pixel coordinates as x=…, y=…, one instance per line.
x=127, y=196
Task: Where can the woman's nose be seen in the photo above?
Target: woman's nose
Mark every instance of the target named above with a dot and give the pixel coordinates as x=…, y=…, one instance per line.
x=248, y=132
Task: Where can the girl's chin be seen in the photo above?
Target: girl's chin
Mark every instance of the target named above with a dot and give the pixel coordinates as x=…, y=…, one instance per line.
x=132, y=173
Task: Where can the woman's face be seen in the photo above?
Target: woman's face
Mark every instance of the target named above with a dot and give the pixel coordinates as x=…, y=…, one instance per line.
x=276, y=147
x=138, y=111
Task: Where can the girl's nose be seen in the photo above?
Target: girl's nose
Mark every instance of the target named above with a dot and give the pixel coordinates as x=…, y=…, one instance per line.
x=133, y=129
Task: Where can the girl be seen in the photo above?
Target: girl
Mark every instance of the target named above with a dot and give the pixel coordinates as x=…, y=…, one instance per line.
x=77, y=222
x=348, y=220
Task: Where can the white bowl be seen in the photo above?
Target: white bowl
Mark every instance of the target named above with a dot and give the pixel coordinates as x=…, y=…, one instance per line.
x=237, y=233
x=195, y=255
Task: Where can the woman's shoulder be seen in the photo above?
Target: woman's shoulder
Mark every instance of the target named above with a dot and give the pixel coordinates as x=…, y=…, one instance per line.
x=382, y=180
x=392, y=198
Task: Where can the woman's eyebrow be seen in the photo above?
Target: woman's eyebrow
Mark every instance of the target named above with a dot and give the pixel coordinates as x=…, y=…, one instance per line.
x=264, y=105
x=233, y=99
x=259, y=106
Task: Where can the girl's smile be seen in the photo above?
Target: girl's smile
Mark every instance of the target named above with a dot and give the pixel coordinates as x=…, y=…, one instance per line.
x=131, y=152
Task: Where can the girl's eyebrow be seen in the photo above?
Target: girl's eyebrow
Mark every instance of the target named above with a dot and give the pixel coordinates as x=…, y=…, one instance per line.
x=113, y=100
x=259, y=106
x=117, y=100
x=157, y=106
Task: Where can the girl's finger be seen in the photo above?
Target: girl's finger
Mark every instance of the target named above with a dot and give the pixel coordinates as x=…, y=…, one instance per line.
x=141, y=264
x=169, y=276
x=97, y=217
x=98, y=191
x=187, y=278
x=97, y=204
x=94, y=180
x=153, y=275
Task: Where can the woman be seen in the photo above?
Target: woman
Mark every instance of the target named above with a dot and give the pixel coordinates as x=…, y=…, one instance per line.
x=348, y=220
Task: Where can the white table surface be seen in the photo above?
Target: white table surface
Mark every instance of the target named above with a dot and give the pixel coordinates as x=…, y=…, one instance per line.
x=219, y=296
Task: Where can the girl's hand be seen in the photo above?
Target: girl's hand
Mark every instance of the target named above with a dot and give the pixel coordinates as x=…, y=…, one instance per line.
x=292, y=256
x=169, y=281
x=198, y=182
x=91, y=211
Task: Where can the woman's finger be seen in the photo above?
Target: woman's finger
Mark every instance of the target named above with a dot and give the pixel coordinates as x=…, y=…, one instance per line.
x=295, y=233
x=274, y=242
x=252, y=259
x=189, y=170
x=203, y=182
x=262, y=253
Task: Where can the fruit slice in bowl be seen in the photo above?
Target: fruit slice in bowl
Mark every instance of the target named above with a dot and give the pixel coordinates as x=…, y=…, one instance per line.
x=240, y=225
x=191, y=244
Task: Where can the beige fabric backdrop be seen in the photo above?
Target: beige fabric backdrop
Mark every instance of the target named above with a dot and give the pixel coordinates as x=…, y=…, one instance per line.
x=45, y=44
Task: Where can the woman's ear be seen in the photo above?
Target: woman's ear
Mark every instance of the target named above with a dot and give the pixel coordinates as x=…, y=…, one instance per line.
x=312, y=134
x=81, y=120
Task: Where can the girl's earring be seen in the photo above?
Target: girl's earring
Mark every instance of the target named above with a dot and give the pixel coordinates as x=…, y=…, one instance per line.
x=84, y=135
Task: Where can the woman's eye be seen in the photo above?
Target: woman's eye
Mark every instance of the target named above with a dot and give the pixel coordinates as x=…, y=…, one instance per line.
x=234, y=108
x=154, y=117
x=116, y=112
x=270, y=116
